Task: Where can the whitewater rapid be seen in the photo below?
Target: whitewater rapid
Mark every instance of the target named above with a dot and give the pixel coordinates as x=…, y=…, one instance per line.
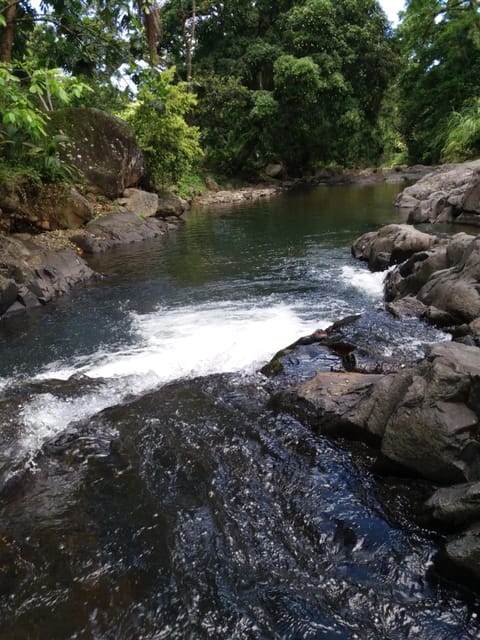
x=174, y=343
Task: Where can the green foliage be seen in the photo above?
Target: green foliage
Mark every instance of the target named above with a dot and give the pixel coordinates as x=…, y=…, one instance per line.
x=24, y=102
x=23, y=122
x=301, y=81
x=463, y=133
x=190, y=185
x=158, y=118
x=441, y=44
x=222, y=114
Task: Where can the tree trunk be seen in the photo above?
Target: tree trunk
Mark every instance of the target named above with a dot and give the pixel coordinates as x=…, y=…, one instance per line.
x=152, y=21
x=191, y=42
x=6, y=45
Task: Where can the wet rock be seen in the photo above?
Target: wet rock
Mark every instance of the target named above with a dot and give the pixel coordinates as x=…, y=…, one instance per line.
x=116, y=229
x=391, y=245
x=408, y=307
x=449, y=193
x=339, y=403
x=8, y=294
x=445, y=276
x=464, y=551
x=456, y=505
x=110, y=162
x=374, y=342
x=426, y=415
x=434, y=428
x=31, y=274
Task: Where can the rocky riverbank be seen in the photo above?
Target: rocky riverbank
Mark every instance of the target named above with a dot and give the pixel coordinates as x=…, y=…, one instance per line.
x=422, y=410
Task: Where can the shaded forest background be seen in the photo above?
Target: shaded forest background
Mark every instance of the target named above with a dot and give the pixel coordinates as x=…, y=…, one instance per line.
x=228, y=87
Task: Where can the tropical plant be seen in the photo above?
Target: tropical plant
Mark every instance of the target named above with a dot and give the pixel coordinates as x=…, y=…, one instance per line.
x=158, y=118
x=463, y=133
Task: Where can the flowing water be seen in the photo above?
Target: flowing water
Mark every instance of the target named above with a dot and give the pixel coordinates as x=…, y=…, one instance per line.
x=147, y=492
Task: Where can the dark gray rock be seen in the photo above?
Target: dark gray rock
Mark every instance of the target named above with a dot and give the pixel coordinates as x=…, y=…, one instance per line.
x=31, y=275
x=464, y=551
x=332, y=402
x=408, y=307
x=101, y=146
x=427, y=415
x=8, y=294
x=434, y=429
x=116, y=229
x=445, y=278
x=457, y=290
x=170, y=205
x=455, y=506
x=391, y=245
x=448, y=193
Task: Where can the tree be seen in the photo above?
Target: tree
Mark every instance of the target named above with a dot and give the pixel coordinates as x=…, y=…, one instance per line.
x=325, y=64
x=441, y=42
x=85, y=37
x=158, y=115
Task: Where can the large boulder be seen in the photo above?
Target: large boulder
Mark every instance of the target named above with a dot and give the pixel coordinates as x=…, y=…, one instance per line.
x=457, y=290
x=391, y=245
x=31, y=274
x=449, y=193
x=426, y=416
x=343, y=403
x=102, y=146
x=434, y=429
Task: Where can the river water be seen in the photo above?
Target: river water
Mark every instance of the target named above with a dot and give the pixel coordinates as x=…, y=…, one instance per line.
x=147, y=492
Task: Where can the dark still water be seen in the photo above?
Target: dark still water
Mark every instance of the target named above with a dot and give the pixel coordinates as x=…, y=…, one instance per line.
x=147, y=491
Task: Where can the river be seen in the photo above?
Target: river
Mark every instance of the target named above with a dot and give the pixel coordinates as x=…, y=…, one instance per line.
x=147, y=492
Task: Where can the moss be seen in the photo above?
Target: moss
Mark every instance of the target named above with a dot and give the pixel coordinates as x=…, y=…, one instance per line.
x=275, y=366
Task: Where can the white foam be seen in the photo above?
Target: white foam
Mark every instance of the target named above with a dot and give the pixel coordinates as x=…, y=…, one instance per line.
x=371, y=284
x=167, y=344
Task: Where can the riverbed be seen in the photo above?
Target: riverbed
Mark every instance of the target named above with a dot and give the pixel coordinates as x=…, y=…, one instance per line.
x=147, y=491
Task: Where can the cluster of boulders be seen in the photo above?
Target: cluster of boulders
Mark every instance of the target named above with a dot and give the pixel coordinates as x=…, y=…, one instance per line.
x=425, y=415
x=450, y=193
x=433, y=278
